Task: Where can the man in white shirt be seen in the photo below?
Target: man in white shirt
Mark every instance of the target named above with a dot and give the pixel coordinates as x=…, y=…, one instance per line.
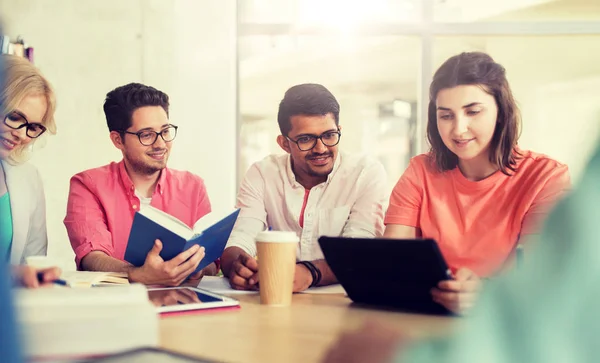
x=313, y=190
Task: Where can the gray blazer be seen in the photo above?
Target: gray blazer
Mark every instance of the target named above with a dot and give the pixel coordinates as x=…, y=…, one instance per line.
x=28, y=207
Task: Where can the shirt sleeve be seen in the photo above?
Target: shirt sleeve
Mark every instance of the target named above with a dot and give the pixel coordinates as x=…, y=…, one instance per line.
x=203, y=209
x=555, y=187
x=253, y=215
x=406, y=198
x=86, y=221
x=366, y=215
x=37, y=240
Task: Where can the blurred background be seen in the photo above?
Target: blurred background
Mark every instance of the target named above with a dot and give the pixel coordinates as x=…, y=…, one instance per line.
x=226, y=65
x=378, y=57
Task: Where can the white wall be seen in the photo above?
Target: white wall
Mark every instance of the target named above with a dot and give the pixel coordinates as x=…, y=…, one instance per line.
x=564, y=121
x=186, y=48
x=556, y=81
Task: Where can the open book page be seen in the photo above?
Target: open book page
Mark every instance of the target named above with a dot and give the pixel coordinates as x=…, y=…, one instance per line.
x=209, y=220
x=93, y=278
x=167, y=221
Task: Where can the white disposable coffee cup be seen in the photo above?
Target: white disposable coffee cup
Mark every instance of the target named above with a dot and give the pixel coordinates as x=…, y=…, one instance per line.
x=277, y=265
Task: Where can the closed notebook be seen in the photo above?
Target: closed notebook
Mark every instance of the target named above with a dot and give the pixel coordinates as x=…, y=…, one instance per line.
x=94, y=278
x=150, y=224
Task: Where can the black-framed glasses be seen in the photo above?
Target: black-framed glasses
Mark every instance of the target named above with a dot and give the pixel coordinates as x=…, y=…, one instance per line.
x=149, y=137
x=308, y=142
x=16, y=120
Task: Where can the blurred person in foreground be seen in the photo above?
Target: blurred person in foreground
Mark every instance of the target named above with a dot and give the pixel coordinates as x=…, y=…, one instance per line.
x=9, y=343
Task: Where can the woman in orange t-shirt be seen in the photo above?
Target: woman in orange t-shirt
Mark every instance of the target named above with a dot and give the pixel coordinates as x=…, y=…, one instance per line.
x=476, y=193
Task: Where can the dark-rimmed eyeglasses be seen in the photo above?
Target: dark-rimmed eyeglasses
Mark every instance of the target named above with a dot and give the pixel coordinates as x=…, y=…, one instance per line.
x=16, y=120
x=308, y=142
x=149, y=137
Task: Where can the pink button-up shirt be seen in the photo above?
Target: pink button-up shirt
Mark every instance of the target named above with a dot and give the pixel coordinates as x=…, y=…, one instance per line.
x=102, y=204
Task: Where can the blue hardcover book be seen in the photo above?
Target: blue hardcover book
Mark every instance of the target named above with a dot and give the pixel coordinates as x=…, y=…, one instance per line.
x=150, y=224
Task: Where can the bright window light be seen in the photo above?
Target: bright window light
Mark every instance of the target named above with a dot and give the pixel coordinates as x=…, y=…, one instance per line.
x=347, y=14
x=474, y=10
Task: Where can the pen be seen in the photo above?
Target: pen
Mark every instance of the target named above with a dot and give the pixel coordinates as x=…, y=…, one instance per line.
x=40, y=277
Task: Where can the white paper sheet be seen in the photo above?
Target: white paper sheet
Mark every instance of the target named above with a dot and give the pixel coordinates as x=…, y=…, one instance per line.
x=220, y=285
x=331, y=289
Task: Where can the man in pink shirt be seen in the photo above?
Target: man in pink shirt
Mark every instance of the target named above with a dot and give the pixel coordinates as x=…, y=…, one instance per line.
x=103, y=201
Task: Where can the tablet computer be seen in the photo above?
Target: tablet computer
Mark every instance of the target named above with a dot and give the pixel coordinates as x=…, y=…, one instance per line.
x=183, y=298
x=397, y=273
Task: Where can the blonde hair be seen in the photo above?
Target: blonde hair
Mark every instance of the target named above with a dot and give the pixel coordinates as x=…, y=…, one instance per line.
x=23, y=79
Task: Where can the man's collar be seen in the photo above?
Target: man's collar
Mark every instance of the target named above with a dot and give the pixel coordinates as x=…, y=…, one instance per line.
x=129, y=184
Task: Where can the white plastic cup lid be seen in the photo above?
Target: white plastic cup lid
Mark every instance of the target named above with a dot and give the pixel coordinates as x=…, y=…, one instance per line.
x=277, y=237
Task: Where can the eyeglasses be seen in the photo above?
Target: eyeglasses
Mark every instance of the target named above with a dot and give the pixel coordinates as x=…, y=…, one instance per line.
x=16, y=120
x=149, y=137
x=308, y=142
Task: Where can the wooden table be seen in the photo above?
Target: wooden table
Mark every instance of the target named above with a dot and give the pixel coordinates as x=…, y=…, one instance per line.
x=300, y=333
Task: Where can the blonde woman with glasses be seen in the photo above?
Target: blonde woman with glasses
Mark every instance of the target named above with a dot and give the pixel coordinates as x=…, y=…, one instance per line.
x=27, y=105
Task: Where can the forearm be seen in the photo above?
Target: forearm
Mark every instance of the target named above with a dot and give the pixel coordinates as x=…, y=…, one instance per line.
x=229, y=256
x=100, y=261
x=399, y=231
x=211, y=270
x=327, y=276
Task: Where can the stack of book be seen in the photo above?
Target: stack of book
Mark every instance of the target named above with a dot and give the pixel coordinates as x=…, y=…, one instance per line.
x=59, y=322
x=18, y=48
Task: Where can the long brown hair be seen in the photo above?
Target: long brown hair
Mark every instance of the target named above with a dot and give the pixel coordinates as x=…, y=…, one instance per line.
x=477, y=68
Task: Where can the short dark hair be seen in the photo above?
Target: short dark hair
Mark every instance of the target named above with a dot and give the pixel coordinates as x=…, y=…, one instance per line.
x=477, y=68
x=121, y=102
x=306, y=99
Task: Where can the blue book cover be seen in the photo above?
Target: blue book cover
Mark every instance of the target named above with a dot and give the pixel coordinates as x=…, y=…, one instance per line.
x=150, y=224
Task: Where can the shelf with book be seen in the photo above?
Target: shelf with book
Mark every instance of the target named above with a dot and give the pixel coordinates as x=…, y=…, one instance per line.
x=18, y=47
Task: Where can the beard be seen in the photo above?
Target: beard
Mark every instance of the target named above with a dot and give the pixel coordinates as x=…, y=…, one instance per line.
x=144, y=168
x=312, y=172
x=318, y=173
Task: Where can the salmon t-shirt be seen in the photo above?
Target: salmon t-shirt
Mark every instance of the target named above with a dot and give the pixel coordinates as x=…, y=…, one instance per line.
x=477, y=224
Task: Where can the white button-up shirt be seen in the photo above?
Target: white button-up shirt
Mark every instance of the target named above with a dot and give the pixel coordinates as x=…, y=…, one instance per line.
x=350, y=203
